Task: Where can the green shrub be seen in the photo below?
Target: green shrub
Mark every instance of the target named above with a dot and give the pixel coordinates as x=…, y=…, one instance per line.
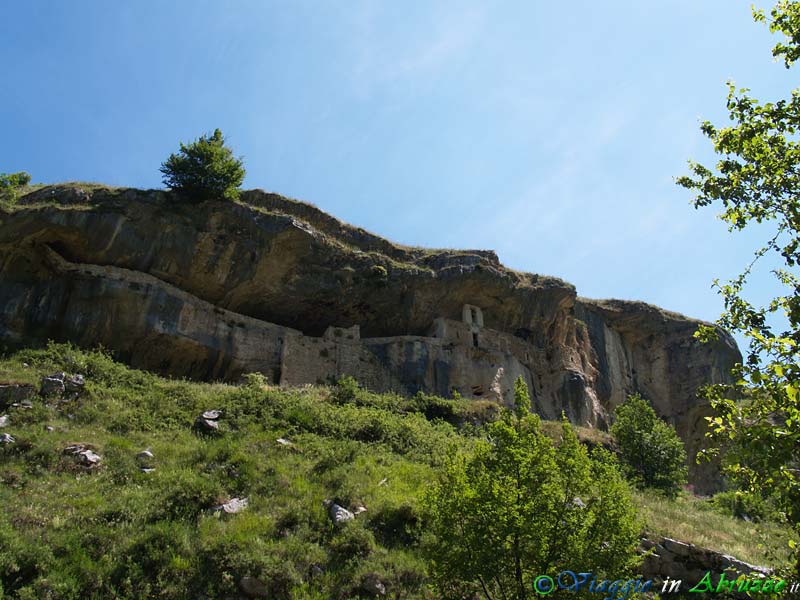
x=397, y=526
x=517, y=507
x=10, y=184
x=204, y=170
x=228, y=462
x=343, y=452
x=352, y=541
x=14, y=180
x=21, y=560
x=747, y=506
x=434, y=407
x=346, y=391
x=184, y=494
x=255, y=380
x=156, y=561
x=652, y=453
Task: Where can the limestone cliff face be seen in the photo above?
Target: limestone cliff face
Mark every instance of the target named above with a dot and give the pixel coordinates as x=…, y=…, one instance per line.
x=274, y=285
x=642, y=348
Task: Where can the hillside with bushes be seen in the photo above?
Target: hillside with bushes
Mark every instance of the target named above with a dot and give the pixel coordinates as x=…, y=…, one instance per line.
x=119, y=483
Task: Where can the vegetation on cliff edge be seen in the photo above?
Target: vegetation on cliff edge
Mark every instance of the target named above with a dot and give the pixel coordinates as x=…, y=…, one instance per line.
x=204, y=170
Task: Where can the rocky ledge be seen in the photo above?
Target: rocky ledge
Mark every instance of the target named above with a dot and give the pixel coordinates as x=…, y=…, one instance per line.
x=269, y=284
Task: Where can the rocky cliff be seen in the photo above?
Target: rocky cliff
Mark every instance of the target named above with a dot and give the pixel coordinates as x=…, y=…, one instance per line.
x=269, y=284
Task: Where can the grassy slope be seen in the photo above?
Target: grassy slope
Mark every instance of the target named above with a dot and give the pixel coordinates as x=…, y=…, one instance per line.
x=695, y=520
x=118, y=532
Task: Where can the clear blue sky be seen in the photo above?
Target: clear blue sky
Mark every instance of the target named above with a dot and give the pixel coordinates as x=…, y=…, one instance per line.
x=548, y=131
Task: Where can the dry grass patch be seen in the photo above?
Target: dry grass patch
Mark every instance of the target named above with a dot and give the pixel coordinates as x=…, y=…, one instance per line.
x=586, y=435
x=694, y=520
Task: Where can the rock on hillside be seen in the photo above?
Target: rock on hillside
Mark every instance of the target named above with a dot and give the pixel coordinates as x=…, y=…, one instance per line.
x=214, y=290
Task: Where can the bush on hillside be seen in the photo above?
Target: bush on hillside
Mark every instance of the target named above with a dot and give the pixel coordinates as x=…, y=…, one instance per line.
x=651, y=452
x=519, y=507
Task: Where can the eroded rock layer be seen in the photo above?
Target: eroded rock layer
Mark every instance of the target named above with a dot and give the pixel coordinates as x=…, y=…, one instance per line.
x=215, y=290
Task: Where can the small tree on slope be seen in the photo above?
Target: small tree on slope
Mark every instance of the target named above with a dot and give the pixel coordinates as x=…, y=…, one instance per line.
x=519, y=507
x=652, y=453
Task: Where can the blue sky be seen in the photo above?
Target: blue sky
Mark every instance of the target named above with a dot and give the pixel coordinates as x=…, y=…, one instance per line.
x=548, y=131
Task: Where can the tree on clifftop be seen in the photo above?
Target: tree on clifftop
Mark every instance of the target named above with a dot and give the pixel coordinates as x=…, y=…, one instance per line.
x=10, y=184
x=756, y=182
x=204, y=170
